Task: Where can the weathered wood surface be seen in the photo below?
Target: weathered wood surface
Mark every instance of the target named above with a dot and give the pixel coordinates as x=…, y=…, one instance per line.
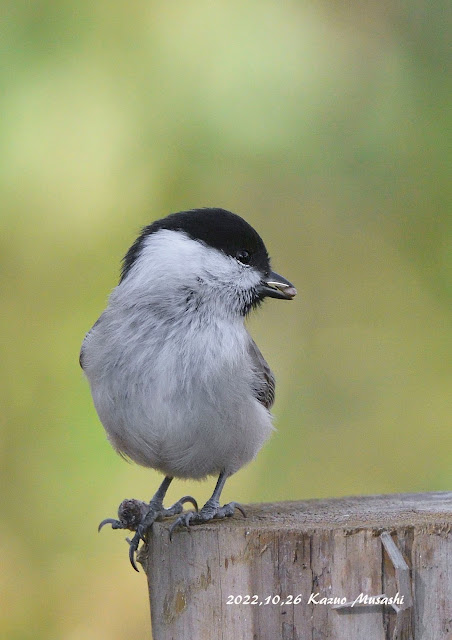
x=333, y=548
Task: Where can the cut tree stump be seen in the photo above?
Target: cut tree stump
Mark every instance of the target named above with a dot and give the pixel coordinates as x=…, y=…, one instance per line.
x=294, y=570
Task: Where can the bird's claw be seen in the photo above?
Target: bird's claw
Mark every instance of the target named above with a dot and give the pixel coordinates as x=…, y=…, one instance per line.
x=240, y=508
x=133, y=548
x=191, y=500
x=210, y=511
x=115, y=524
x=183, y=520
x=139, y=517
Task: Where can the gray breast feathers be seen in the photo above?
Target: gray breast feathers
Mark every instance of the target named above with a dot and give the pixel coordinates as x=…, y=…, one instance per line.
x=82, y=350
x=264, y=389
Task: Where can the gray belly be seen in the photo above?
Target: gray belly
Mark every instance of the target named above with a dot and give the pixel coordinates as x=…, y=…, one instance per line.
x=188, y=435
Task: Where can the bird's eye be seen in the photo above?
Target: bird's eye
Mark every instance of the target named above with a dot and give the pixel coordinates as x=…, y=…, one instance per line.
x=243, y=256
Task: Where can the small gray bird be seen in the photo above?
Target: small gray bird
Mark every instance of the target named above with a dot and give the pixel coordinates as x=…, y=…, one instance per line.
x=176, y=379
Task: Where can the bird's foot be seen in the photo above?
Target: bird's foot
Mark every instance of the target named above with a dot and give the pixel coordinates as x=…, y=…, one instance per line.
x=210, y=511
x=139, y=516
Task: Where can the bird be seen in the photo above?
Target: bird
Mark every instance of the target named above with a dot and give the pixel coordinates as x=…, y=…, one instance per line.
x=177, y=381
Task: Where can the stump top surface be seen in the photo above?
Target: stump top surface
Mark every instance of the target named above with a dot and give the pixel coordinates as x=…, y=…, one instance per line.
x=360, y=511
x=354, y=512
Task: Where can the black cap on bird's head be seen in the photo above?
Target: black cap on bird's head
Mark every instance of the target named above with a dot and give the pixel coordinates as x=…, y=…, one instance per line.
x=225, y=231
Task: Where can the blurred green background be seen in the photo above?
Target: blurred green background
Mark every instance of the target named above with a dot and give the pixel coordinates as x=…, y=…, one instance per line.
x=328, y=126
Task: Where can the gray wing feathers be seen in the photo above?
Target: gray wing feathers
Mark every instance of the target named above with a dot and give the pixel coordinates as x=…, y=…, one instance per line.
x=264, y=389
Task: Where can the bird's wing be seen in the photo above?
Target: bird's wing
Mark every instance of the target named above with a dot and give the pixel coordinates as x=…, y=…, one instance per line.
x=264, y=389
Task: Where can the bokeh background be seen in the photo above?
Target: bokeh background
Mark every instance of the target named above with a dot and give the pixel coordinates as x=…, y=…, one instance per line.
x=328, y=126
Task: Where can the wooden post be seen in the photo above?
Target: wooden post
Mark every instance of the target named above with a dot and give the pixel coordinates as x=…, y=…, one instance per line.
x=299, y=570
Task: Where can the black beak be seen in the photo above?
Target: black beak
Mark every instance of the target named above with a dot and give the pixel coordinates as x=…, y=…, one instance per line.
x=275, y=286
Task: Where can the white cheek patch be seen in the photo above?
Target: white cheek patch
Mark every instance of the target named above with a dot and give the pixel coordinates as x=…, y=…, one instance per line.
x=166, y=258
x=171, y=260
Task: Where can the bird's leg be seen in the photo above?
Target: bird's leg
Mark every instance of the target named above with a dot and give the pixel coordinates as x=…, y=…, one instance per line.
x=139, y=516
x=210, y=510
